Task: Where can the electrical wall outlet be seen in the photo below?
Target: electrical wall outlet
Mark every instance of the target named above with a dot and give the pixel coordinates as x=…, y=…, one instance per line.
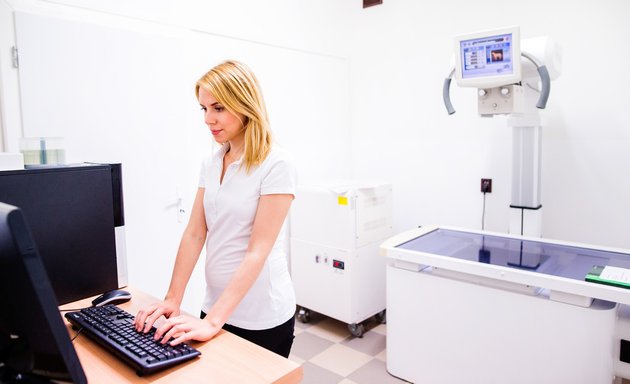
x=486, y=185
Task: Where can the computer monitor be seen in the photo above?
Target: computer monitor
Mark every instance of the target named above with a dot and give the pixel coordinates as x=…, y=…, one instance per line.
x=34, y=343
x=76, y=217
x=488, y=59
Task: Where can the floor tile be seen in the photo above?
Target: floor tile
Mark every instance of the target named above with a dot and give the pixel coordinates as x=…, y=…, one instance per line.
x=371, y=343
x=374, y=372
x=307, y=345
x=314, y=374
x=331, y=329
x=296, y=359
x=381, y=329
x=341, y=359
x=328, y=352
x=301, y=325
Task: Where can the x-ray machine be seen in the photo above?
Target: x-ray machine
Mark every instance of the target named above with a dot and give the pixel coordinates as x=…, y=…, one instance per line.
x=513, y=78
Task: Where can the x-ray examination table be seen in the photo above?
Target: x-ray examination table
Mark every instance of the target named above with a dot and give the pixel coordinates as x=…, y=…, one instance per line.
x=478, y=307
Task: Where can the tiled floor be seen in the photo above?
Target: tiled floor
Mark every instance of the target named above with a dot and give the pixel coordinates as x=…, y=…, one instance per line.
x=330, y=354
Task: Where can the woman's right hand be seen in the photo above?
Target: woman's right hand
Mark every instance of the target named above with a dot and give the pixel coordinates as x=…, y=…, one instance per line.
x=146, y=317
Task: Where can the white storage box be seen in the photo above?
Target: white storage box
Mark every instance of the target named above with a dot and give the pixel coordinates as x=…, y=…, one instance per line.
x=336, y=231
x=345, y=215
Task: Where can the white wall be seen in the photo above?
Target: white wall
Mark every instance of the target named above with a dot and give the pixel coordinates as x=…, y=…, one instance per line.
x=300, y=25
x=351, y=91
x=400, y=54
x=118, y=86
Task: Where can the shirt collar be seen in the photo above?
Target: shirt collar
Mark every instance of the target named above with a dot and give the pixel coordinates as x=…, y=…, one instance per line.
x=220, y=153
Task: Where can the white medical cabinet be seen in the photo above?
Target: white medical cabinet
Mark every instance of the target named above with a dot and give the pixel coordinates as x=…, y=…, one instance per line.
x=336, y=231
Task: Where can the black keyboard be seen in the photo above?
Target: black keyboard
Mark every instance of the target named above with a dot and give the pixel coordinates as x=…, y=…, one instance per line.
x=113, y=328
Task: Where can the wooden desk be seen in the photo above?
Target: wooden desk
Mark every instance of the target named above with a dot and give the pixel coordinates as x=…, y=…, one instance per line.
x=226, y=358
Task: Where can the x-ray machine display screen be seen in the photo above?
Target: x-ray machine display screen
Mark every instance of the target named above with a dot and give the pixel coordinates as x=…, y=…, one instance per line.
x=487, y=56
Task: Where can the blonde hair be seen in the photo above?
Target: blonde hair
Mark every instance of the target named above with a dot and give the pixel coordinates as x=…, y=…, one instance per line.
x=235, y=86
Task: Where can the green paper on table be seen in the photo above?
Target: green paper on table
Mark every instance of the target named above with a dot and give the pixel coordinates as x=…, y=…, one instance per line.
x=615, y=276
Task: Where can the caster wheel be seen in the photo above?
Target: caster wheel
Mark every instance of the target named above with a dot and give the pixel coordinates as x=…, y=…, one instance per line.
x=304, y=315
x=356, y=330
x=381, y=317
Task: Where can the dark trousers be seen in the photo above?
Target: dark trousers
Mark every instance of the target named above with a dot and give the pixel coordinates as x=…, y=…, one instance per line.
x=277, y=339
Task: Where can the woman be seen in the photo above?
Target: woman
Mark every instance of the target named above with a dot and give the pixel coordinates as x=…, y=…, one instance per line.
x=245, y=192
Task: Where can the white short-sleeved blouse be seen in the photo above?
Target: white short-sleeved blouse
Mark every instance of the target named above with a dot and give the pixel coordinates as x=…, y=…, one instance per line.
x=230, y=208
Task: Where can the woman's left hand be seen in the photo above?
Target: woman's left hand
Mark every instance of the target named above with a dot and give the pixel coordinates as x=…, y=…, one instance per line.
x=184, y=328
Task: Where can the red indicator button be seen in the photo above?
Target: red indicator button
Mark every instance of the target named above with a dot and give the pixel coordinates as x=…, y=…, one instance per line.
x=338, y=264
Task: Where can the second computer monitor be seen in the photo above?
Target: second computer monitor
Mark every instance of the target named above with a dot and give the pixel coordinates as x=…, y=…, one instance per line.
x=74, y=213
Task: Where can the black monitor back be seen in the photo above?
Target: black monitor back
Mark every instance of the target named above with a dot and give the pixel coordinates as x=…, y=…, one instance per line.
x=34, y=343
x=72, y=212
